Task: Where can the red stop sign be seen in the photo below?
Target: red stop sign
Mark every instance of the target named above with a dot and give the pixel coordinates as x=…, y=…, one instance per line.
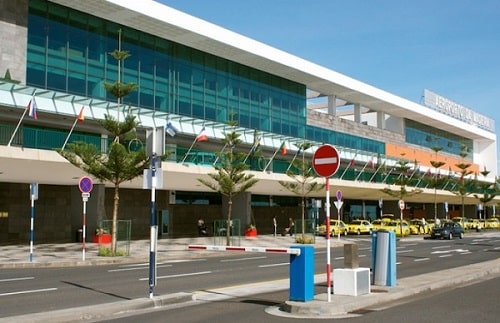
x=326, y=161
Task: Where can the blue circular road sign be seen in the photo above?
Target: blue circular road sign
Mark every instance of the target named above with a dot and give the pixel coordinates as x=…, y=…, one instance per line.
x=85, y=184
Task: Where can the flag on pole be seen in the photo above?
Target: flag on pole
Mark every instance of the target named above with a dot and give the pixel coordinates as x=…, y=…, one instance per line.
x=283, y=150
x=32, y=108
x=298, y=152
x=254, y=148
x=170, y=129
x=79, y=118
x=202, y=136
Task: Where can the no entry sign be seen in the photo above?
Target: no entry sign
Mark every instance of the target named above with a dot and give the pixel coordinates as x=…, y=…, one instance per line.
x=326, y=161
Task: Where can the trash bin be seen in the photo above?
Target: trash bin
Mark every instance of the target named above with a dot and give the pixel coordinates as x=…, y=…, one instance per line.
x=384, y=258
x=79, y=235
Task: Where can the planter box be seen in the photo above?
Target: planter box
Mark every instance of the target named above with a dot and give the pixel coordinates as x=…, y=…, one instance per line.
x=251, y=233
x=102, y=238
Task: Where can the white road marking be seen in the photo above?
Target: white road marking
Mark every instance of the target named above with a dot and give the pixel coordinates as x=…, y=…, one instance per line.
x=29, y=291
x=135, y=268
x=180, y=275
x=441, y=247
x=15, y=279
x=421, y=259
x=405, y=251
x=275, y=265
x=242, y=259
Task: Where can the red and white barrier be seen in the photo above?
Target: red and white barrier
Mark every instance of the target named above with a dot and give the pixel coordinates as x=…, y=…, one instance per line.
x=291, y=251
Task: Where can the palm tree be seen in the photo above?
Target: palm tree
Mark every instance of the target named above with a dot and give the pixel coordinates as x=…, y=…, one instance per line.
x=403, y=180
x=119, y=164
x=463, y=185
x=435, y=180
x=303, y=178
x=487, y=192
x=230, y=178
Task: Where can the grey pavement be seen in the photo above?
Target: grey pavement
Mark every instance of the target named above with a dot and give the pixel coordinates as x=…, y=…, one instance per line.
x=319, y=307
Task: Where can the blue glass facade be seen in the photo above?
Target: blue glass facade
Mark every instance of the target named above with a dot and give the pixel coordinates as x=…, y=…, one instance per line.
x=426, y=136
x=67, y=51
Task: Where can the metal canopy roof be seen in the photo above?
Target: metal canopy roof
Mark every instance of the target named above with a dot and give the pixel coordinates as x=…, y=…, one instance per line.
x=168, y=23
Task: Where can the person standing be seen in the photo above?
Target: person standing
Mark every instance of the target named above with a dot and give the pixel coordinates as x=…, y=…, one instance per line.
x=275, y=225
x=422, y=225
x=291, y=226
x=202, y=229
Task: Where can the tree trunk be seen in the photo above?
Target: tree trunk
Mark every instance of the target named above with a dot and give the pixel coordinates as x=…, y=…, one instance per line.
x=114, y=230
x=228, y=222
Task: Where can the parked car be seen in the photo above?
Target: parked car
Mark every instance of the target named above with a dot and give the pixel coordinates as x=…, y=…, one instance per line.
x=416, y=227
x=464, y=222
x=492, y=223
x=378, y=224
x=448, y=230
x=475, y=224
x=336, y=227
x=397, y=227
x=359, y=227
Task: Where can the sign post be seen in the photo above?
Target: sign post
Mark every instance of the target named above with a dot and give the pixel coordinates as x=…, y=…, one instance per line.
x=401, y=208
x=85, y=185
x=338, y=204
x=33, y=197
x=326, y=162
x=155, y=146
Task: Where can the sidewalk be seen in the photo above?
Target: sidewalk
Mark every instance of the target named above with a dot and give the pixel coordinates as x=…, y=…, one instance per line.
x=71, y=254
x=318, y=308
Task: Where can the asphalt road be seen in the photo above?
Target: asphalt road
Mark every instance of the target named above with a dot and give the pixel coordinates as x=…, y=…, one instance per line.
x=35, y=290
x=473, y=303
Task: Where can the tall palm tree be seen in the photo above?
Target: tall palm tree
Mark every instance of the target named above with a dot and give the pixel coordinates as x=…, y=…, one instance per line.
x=230, y=177
x=303, y=177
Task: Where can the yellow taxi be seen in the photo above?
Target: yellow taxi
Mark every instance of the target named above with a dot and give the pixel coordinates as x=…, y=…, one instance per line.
x=359, y=226
x=492, y=223
x=464, y=222
x=378, y=224
x=416, y=227
x=475, y=224
x=336, y=227
x=397, y=227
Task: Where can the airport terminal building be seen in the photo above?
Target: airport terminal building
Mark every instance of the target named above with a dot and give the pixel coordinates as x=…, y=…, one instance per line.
x=195, y=76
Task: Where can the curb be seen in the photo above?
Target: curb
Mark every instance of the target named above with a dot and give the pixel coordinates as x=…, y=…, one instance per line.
x=101, y=311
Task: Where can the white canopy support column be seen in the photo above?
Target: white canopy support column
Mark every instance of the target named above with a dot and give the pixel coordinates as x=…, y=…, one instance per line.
x=380, y=120
x=357, y=113
x=332, y=105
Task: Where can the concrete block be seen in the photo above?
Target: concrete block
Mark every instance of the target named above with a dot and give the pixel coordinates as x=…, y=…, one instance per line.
x=351, y=282
x=351, y=256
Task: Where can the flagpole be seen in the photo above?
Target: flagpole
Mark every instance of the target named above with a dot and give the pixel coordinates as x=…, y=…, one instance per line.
x=217, y=158
x=69, y=134
x=189, y=150
x=293, y=159
x=17, y=127
x=272, y=158
x=364, y=167
x=250, y=152
x=376, y=171
x=353, y=160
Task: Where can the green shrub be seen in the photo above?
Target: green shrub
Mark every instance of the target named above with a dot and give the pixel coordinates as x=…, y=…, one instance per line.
x=106, y=252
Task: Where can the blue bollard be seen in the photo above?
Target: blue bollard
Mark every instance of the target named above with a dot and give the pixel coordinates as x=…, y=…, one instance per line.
x=384, y=258
x=302, y=274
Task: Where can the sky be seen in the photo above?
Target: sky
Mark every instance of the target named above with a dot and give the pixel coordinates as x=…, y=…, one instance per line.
x=451, y=47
